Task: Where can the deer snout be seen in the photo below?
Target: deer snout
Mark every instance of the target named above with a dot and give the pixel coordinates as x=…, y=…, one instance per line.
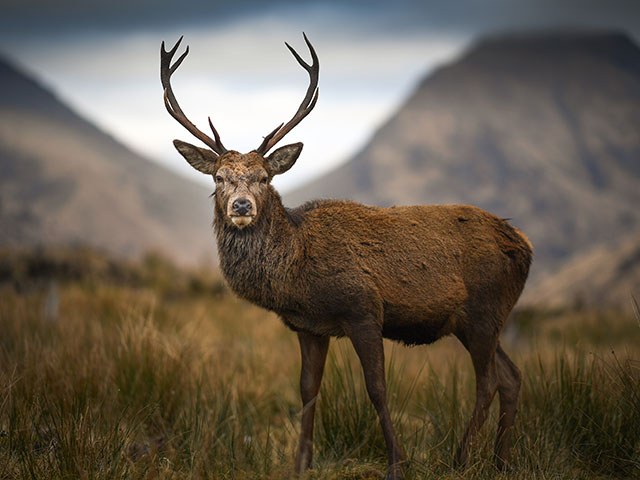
x=241, y=207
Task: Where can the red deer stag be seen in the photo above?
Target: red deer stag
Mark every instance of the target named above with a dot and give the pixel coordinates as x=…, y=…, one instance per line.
x=335, y=268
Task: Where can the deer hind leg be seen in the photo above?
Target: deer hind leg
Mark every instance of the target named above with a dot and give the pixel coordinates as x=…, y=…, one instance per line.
x=313, y=350
x=484, y=363
x=508, y=389
x=367, y=341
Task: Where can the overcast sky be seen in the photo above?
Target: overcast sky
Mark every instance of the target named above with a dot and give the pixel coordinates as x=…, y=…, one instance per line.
x=102, y=58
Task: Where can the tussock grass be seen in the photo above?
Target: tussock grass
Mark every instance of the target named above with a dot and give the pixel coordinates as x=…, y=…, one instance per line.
x=145, y=379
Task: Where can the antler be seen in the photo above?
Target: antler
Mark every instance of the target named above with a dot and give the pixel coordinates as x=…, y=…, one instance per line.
x=166, y=70
x=307, y=104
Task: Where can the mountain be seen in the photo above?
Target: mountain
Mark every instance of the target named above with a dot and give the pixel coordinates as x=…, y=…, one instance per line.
x=65, y=182
x=541, y=128
x=601, y=276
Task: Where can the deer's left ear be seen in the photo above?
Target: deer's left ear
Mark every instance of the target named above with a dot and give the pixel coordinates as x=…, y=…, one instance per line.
x=283, y=158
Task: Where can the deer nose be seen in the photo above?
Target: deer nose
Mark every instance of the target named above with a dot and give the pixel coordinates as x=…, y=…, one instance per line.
x=241, y=207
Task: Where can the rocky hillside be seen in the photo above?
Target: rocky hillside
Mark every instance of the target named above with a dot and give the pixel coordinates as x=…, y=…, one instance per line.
x=539, y=128
x=63, y=181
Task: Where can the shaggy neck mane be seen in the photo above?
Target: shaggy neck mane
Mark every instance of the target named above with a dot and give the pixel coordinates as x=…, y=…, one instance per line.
x=264, y=255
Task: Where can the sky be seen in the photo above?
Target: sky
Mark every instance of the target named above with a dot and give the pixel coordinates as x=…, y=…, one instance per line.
x=102, y=58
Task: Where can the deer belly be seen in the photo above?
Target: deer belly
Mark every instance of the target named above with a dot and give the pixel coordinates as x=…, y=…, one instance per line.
x=309, y=324
x=415, y=327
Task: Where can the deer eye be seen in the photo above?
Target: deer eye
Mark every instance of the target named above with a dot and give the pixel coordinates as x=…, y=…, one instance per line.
x=264, y=180
x=219, y=179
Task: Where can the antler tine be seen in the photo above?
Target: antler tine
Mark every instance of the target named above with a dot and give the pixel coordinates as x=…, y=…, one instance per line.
x=268, y=138
x=307, y=104
x=170, y=102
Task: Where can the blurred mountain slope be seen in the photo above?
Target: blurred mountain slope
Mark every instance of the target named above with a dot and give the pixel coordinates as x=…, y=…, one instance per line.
x=602, y=276
x=63, y=181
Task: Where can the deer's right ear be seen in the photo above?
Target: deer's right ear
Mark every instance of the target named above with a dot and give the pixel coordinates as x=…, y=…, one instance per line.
x=201, y=159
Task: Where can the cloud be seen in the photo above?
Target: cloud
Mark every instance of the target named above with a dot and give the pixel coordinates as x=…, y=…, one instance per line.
x=103, y=58
x=44, y=17
x=244, y=77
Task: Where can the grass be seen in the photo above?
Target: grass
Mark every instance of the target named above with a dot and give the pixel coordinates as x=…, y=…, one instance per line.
x=143, y=370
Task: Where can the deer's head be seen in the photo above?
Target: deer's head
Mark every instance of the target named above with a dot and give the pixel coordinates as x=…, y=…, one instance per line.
x=242, y=180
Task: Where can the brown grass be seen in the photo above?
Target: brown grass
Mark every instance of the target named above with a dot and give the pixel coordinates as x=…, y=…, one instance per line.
x=164, y=374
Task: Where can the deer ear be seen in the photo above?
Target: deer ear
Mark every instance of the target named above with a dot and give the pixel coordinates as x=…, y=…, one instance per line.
x=201, y=159
x=283, y=158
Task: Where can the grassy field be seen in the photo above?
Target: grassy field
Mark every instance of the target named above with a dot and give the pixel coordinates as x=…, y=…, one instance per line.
x=113, y=370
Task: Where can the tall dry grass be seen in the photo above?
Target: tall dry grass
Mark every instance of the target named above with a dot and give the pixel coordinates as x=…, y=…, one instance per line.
x=161, y=373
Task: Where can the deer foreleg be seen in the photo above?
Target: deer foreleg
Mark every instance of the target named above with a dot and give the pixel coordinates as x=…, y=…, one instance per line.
x=313, y=350
x=367, y=341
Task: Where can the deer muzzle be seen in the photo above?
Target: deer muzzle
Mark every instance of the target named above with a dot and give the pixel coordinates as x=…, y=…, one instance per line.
x=242, y=211
x=241, y=207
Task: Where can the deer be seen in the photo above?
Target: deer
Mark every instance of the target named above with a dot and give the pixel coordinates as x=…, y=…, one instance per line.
x=337, y=268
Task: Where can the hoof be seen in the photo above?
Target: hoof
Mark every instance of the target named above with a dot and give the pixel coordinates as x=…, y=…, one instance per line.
x=506, y=468
x=374, y=473
x=395, y=472
x=503, y=466
x=460, y=461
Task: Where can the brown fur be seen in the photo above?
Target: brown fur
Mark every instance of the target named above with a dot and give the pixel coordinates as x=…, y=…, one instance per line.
x=333, y=268
x=423, y=268
x=412, y=274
